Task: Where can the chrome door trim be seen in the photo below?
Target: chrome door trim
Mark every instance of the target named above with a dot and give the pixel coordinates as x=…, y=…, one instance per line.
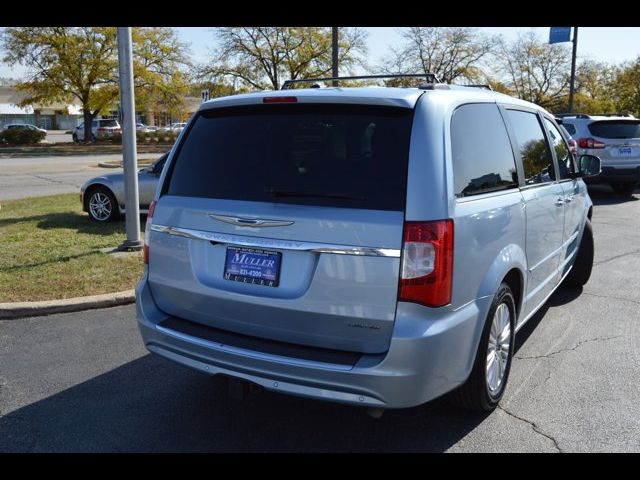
x=261, y=242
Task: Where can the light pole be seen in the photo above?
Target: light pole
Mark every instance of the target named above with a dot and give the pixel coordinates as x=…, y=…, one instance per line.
x=573, y=68
x=130, y=162
x=334, y=54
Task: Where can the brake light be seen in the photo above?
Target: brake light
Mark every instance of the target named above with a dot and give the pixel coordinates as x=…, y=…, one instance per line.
x=147, y=231
x=102, y=129
x=279, y=99
x=590, y=143
x=427, y=263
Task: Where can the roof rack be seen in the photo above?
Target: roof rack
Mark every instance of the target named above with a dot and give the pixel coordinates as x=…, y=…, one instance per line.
x=624, y=114
x=430, y=77
x=577, y=115
x=485, y=86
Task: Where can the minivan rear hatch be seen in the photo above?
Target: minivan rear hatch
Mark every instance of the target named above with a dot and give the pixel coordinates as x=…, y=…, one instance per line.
x=284, y=222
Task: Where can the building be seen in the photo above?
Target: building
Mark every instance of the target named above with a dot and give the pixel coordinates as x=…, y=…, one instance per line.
x=66, y=117
x=56, y=116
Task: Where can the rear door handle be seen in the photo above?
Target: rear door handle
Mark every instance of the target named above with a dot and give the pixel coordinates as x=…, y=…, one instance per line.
x=560, y=202
x=568, y=199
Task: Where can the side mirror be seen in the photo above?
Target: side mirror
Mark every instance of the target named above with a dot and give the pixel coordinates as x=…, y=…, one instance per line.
x=589, y=165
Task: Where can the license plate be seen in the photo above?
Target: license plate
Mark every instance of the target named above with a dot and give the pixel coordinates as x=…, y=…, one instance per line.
x=251, y=265
x=624, y=152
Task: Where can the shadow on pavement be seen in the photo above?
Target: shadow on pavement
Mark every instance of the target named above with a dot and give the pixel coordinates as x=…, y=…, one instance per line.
x=153, y=405
x=604, y=195
x=561, y=296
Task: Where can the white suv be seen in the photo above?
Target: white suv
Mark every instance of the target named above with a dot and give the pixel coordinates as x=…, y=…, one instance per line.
x=615, y=139
x=100, y=129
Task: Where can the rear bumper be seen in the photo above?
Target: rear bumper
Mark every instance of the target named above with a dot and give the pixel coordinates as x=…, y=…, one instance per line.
x=615, y=175
x=427, y=357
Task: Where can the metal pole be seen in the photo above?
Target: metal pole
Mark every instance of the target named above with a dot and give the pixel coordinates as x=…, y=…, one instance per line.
x=573, y=68
x=334, y=54
x=129, y=141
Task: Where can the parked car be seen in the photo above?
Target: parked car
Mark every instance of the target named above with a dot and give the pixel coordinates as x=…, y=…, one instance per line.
x=174, y=127
x=103, y=197
x=12, y=126
x=371, y=246
x=100, y=129
x=615, y=139
x=141, y=127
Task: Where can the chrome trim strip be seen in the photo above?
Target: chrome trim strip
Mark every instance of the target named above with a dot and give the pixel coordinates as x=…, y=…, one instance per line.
x=251, y=222
x=261, y=242
x=253, y=354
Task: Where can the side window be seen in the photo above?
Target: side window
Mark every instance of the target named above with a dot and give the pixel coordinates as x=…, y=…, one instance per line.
x=534, y=150
x=157, y=168
x=482, y=156
x=563, y=155
x=570, y=128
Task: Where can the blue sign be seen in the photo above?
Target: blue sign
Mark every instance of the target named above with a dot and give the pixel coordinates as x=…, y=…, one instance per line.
x=559, y=34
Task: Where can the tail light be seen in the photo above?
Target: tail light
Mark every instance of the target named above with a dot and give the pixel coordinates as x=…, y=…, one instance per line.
x=427, y=263
x=102, y=129
x=590, y=143
x=147, y=231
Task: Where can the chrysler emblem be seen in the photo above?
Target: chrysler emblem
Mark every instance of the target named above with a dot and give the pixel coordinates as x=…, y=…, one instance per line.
x=251, y=222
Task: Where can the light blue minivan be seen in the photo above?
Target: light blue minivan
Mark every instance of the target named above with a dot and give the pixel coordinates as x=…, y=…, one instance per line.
x=372, y=246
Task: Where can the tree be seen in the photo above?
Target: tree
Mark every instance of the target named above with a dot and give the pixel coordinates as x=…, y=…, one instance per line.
x=625, y=88
x=448, y=52
x=82, y=63
x=593, y=87
x=263, y=57
x=535, y=70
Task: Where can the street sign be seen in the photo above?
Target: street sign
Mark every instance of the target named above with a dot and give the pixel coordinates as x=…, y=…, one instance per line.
x=559, y=34
x=205, y=95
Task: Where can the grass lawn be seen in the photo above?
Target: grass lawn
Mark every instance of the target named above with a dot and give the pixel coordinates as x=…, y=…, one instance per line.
x=49, y=250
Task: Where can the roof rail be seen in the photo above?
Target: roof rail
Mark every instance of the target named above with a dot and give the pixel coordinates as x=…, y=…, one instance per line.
x=577, y=115
x=485, y=86
x=623, y=114
x=430, y=77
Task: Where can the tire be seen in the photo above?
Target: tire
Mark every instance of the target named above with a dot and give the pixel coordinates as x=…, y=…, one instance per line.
x=482, y=392
x=101, y=205
x=581, y=271
x=74, y=137
x=624, y=188
x=93, y=137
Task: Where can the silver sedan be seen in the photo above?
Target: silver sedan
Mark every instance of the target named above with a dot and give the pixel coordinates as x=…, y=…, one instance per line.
x=103, y=197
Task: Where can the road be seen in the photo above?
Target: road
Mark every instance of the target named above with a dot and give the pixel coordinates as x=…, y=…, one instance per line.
x=84, y=382
x=37, y=176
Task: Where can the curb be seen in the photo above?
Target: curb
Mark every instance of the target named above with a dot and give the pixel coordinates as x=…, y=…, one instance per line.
x=11, y=311
x=109, y=165
x=119, y=165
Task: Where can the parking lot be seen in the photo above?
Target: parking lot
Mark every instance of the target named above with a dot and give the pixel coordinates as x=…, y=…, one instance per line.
x=84, y=382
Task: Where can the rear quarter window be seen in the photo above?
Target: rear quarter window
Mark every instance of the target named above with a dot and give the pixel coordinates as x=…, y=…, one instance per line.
x=481, y=151
x=350, y=156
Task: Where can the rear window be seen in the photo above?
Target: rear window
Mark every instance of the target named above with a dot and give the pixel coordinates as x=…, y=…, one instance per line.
x=108, y=123
x=615, y=129
x=348, y=156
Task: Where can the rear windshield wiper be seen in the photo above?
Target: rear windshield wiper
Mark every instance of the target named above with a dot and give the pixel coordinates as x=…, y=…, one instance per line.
x=295, y=193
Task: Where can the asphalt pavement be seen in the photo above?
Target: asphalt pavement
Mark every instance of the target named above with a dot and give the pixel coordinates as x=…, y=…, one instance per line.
x=83, y=382
x=37, y=176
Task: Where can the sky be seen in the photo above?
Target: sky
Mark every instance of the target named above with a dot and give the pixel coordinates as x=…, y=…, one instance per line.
x=610, y=44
